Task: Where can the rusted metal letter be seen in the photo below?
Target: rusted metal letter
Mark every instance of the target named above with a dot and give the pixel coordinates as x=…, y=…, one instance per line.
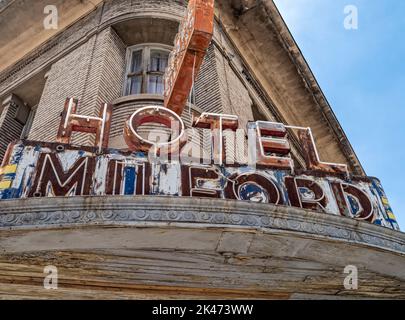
x=353, y=202
x=158, y=116
x=252, y=187
x=100, y=126
x=312, y=157
x=217, y=123
x=52, y=180
x=271, y=148
x=200, y=182
x=306, y=193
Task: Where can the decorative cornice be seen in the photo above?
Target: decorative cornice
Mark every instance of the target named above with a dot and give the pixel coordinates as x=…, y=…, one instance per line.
x=71, y=38
x=4, y=4
x=37, y=213
x=287, y=40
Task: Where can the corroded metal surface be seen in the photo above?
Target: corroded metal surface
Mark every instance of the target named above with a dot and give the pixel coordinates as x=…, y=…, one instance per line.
x=160, y=116
x=311, y=155
x=217, y=124
x=36, y=169
x=271, y=144
x=73, y=122
x=190, y=45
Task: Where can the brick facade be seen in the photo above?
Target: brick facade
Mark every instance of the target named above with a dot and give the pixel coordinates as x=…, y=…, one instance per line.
x=87, y=61
x=93, y=72
x=10, y=126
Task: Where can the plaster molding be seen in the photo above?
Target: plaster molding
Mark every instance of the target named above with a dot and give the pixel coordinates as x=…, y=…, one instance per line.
x=65, y=212
x=73, y=37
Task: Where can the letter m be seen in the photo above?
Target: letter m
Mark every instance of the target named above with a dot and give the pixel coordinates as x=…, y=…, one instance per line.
x=52, y=179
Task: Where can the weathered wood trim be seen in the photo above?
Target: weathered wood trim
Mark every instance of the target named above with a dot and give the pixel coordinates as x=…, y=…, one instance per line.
x=63, y=212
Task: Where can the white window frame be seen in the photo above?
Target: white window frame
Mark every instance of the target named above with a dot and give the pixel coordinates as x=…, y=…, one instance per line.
x=28, y=125
x=146, y=51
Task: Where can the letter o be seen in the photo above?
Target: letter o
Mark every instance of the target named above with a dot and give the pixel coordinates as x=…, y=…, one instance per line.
x=253, y=187
x=153, y=114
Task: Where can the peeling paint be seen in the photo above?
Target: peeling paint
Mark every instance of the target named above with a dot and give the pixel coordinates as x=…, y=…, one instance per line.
x=43, y=169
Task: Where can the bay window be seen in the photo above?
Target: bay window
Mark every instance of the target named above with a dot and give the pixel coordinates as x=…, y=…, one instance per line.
x=146, y=65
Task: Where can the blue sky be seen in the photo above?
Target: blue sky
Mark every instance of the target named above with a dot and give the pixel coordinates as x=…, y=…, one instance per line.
x=362, y=74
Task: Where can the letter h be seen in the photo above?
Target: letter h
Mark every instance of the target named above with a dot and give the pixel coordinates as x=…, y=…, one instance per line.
x=71, y=121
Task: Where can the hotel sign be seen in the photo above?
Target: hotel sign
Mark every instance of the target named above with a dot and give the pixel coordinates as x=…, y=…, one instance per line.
x=243, y=164
x=266, y=175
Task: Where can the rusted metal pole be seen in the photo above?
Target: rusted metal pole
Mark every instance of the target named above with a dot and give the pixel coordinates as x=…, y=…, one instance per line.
x=190, y=47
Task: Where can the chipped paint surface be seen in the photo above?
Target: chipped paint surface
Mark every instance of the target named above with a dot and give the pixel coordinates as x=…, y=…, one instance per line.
x=190, y=46
x=37, y=169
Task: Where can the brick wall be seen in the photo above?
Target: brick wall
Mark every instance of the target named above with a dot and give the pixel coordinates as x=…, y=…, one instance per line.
x=10, y=127
x=92, y=73
x=113, y=8
x=66, y=78
x=207, y=87
x=70, y=49
x=105, y=77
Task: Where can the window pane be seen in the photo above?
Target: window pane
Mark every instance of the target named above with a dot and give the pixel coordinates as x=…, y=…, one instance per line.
x=158, y=60
x=136, y=65
x=155, y=85
x=135, y=85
